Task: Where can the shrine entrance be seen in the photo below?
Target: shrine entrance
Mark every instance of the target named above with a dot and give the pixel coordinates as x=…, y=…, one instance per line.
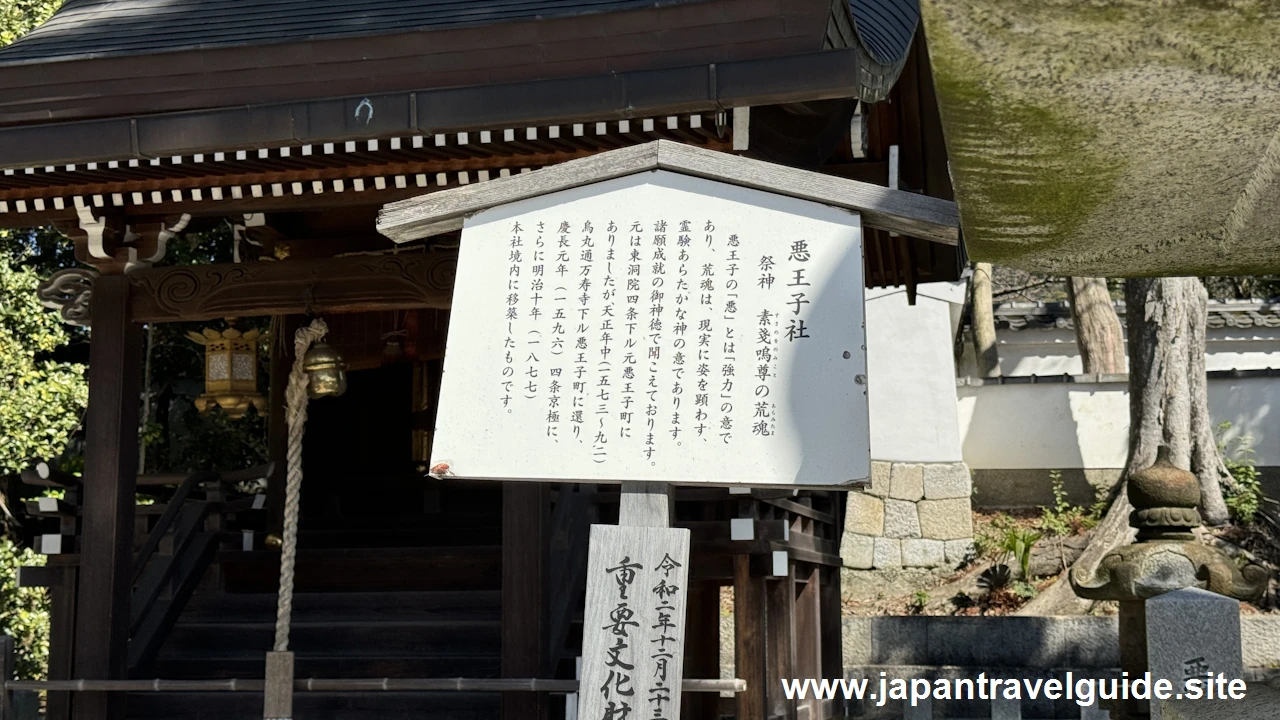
x=460, y=593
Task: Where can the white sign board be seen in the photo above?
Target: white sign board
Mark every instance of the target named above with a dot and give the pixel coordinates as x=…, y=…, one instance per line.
x=657, y=327
x=633, y=629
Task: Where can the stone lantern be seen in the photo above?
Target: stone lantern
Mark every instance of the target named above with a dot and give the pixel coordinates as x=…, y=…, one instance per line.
x=1165, y=557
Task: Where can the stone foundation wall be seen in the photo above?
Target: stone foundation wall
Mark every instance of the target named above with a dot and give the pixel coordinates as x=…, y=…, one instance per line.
x=912, y=515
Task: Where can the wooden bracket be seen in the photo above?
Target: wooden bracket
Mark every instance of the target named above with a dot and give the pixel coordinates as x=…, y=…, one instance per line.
x=149, y=240
x=106, y=243
x=69, y=291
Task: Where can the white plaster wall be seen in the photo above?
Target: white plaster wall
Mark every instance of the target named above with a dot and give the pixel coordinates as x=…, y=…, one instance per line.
x=1053, y=352
x=911, y=387
x=1086, y=425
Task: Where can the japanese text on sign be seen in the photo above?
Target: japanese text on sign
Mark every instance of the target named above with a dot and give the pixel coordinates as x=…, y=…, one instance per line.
x=658, y=327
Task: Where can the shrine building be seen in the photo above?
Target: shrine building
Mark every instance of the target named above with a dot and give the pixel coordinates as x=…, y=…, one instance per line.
x=315, y=135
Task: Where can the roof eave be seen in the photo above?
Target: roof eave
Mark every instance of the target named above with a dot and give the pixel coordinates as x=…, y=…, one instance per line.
x=820, y=75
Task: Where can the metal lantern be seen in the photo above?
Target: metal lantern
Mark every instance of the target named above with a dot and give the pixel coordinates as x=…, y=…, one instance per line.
x=230, y=371
x=326, y=371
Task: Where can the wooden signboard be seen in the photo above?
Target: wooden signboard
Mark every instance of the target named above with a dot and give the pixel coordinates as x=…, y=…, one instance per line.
x=633, y=632
x=657, y=327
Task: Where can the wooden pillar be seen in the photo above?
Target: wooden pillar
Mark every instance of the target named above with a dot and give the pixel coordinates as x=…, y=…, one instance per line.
x=701, y=649
x=62, y=633
x=780, y=620
x=809, y=641
x=749, y=629
x=524, y=511
x=110, y=475
x=7, y=663
x=832, y=626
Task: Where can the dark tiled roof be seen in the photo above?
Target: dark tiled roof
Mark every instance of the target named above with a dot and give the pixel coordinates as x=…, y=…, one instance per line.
x=885, y=27
x=1047, y=316
x=92, y=28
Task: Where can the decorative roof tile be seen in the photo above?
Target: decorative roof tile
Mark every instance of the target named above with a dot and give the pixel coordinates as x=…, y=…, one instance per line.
x=1242, y=314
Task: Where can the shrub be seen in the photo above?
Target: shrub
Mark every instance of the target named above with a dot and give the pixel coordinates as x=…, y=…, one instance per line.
x=1243, y=500
x=1065, y=519
x=24, y=612
x=988, y=541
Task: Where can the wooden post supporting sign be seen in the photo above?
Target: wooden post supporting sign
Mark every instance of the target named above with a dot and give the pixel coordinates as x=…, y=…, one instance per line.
x=633, y=636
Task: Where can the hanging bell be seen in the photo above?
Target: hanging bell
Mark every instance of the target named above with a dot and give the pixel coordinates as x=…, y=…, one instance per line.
x=326, y=371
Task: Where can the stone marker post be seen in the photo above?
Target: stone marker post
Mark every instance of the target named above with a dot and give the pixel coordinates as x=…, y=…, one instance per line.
x=1192, y=633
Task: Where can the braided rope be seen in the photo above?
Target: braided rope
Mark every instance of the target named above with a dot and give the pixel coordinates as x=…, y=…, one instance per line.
x=296, y=414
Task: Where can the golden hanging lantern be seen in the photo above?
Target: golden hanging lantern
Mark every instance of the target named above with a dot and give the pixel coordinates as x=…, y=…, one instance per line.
x=230, y=371
x=326, y=371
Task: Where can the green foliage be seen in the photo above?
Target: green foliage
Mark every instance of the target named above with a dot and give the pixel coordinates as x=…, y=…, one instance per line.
x=919, y=600
x=1057, y=520
x=212, y=441
x=988, y=540
x=1064, y=518
x=1018, y=543
x=1245, y=499
x=43, y=399
x=19, y=16
x=1024, y=589
x=24, y=612
x=41, y=408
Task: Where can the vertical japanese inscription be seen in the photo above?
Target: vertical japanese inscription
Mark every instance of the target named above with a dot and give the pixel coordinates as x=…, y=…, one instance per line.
x=633, y=641
x=655, y=333
x=634, y=316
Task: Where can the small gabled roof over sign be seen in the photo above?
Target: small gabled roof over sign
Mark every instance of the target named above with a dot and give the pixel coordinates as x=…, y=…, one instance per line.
x=897, y=211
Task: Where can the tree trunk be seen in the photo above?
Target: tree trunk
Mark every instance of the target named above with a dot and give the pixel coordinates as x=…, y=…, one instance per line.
x=1098, y=332
x=984, y=324
x=1168, y=405
x=1168, y=398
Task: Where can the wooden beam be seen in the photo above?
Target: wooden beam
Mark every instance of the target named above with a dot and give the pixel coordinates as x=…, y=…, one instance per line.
x=350, y=284
x=780, y=618
x=7, y=663
x=43, y=475
x=524, y=511
x=62, y=620
x=111, y=462
x=749, y=631
x=218, y=176
x=881, y=207
x=701, y=648
x=832, y=630
x=808, y=635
